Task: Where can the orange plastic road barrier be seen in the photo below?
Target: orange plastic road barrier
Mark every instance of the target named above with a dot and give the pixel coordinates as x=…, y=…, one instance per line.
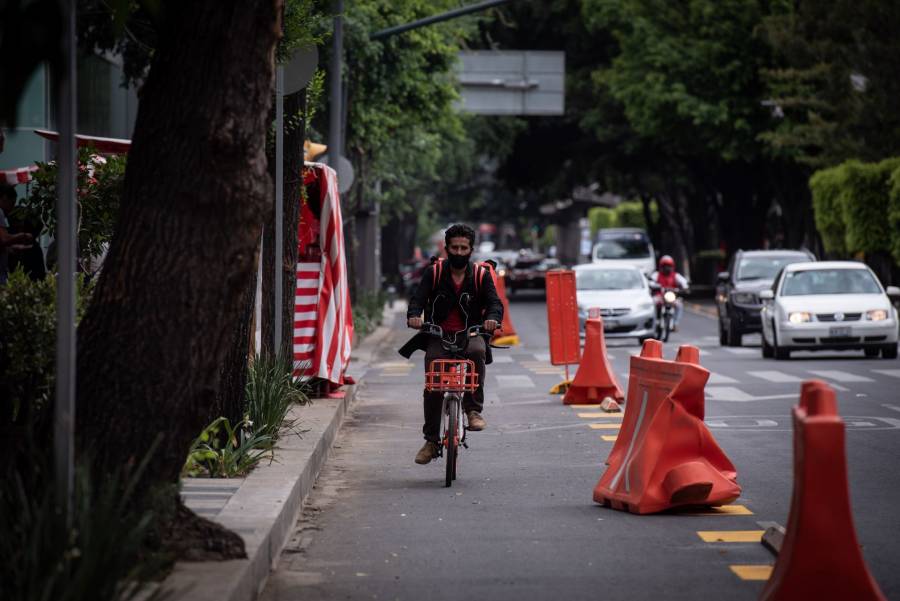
x=562, y=322
x=664, y=455
x=594, y=379
x=507, y=334
x=820, y=557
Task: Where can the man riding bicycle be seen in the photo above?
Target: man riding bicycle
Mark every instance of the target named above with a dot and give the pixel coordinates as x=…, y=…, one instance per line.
x=455, y=294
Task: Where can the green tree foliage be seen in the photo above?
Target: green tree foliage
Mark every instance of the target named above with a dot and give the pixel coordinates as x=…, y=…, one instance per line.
x=864, y=206
x=894, y=213
x=826, y=186
x=626, y=214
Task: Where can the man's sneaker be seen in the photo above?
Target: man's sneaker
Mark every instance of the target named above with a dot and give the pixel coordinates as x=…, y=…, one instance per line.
x=428, y=452
x=476, y=422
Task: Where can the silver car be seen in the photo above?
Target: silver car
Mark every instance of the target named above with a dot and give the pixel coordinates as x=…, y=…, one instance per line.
x=620, y=295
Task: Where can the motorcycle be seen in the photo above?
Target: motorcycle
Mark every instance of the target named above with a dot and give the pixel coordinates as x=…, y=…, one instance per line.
x=665, y=312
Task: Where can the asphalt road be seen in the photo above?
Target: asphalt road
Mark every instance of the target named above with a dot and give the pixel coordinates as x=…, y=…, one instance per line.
x=519, y=523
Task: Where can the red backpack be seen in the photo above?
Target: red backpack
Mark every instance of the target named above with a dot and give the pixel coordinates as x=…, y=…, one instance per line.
x=480, y=269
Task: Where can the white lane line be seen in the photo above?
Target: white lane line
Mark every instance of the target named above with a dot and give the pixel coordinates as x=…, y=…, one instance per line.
x=498, y=358
x=716, y=378
x=894, y=373
x=840, y=376
x=892, y=407
x=515, y=381
x=775, y=376
x=730, y=394
x=541, y=356
x=741, y=350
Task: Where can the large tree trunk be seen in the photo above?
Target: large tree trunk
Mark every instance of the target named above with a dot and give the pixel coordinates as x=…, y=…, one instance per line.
x=162, y=318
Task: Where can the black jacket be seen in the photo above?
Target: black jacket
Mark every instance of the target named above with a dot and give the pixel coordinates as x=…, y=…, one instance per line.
x=434, y=301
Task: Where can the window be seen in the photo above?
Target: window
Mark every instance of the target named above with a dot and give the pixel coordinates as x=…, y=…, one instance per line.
x=608, y=279
x=632, y=247
x=829, y=281
x=763, y=268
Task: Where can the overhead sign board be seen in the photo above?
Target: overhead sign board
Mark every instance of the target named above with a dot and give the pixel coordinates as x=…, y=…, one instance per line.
x=512, y=82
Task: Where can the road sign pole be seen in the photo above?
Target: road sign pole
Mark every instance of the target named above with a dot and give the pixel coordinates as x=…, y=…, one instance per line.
x=279, y=207
x=64, y=411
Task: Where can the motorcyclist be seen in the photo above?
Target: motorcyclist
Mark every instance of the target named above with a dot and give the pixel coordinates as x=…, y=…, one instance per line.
x=668, y=279
x=454, y=294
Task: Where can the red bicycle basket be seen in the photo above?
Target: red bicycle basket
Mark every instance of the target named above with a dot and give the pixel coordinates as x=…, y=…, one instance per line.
x=451, y=375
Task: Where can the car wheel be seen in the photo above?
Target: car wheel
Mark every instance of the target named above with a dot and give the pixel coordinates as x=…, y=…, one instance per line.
x=889, y=352
x=780, y=353
x=735, y=336
x=767, y=351
x=872, y=352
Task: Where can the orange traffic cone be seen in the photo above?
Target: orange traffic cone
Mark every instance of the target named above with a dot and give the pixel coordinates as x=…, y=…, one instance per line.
x=664, y=455
x=820, y=557
x=594, y=379
x=507, y=335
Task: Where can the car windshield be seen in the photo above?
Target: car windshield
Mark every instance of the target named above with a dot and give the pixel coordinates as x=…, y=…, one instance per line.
x=829, y=281
x=763, y=268
x=608, y=279
x=631, y=247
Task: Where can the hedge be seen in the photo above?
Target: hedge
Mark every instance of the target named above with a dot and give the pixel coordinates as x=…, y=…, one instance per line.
x=864, y=206
x=894, y=213
x=826, y=186
x=627, y=214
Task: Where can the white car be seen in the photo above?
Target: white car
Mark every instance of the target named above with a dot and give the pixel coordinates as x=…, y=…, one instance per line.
x=625, y=246
x=830, y=305
x=620, y=295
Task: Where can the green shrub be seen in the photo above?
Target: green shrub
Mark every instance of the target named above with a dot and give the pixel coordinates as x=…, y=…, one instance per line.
x=631, y=214
x=627, y=214
x=894, y=213
x=226, y=451
x=864, y=205
x=100, y=557
x=28, y=343
x=271, y=392
x=367, y=312
x=826, y=186
x=601, y=218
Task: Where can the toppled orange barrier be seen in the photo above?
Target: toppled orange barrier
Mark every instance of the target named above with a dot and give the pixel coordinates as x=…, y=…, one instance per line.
x=820, y=557
x=594, y=379
x=664, y=455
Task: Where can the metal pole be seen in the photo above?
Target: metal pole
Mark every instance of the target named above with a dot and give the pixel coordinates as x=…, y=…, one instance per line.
x=279, y=206
x=63, y=439
x=335, y=111
x=452, y=14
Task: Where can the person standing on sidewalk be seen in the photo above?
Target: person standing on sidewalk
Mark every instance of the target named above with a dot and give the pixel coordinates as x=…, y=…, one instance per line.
x=456, y=295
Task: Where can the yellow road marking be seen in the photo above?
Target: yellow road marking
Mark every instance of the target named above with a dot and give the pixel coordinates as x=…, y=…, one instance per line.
x=609, y=437
x=752, y=572
x=722, y=510
x=730, y=536
x=605, y=426
x=593, y=415
x=580, y=407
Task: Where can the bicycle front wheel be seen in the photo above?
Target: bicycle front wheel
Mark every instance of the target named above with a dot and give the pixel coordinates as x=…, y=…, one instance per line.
x=451, y=439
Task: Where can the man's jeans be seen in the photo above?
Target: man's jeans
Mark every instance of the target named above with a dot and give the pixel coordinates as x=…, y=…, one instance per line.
x=434, y=400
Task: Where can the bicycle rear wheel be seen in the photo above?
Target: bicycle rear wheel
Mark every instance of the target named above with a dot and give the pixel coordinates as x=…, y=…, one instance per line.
x=451, y=440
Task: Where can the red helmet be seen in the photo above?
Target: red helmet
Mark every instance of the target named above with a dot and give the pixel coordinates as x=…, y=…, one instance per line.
x=666, y=260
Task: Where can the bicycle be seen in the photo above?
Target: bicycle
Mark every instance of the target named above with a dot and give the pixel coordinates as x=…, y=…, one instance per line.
x=454, y=377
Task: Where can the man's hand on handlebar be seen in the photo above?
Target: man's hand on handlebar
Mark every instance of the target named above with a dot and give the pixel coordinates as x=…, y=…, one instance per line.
x=415, y=323
x=490, y=325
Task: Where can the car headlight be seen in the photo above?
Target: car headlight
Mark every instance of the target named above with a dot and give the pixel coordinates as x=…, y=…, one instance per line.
x=744, y=298
x=799, y=317
x=877, y=315
x=670, y=297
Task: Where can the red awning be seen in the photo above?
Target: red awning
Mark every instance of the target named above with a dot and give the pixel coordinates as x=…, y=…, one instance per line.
x=104, y=145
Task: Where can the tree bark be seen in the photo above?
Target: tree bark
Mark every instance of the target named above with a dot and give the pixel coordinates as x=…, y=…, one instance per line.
x=161, y=322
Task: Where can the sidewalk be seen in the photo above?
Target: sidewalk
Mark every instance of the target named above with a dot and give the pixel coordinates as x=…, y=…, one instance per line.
x=263, y=507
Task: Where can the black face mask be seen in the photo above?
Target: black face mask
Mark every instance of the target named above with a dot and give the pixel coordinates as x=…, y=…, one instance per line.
x=458, y=261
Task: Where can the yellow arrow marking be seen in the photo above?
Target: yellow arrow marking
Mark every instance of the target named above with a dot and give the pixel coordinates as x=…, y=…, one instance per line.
x=752, y=572
x=730, y=536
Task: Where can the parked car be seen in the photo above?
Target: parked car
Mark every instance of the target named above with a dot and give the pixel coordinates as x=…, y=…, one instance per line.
x=626, y=246
x=620, y=295
x=529, y=272
x=828, y=305
x=737, y=291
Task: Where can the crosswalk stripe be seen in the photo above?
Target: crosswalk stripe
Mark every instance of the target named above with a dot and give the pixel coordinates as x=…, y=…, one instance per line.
x=741, y=350
x=752, y=572
x=716, y=378
x=727, y=393
x=730, y=536
x=840, y=376
x=515, y=381
x=894, y=373
x=775, y=376
x=498, y=358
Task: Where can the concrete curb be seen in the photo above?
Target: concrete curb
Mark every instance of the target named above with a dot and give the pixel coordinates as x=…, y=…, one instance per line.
x=268, y=501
